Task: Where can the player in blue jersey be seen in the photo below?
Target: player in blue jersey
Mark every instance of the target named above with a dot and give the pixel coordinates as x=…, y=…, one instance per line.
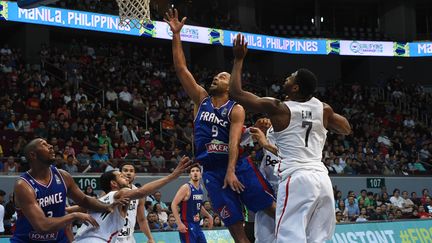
x=40, y=198
x=190, y=197
x=229, y=178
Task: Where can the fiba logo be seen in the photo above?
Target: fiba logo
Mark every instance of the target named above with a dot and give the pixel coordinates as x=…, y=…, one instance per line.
x=355, y=47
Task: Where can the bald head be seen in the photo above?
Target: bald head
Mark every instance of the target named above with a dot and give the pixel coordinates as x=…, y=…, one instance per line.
x=39, y=151
x=31, y=147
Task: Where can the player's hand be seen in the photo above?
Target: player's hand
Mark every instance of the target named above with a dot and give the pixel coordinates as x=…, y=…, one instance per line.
x=210, y=225
x=184, y=165
x=263, y=124
x=86, y=218
x=171, y=18
x=122, y=201
x=258, y=135
x=239, y=47
x=233, y=182
x=182, y=228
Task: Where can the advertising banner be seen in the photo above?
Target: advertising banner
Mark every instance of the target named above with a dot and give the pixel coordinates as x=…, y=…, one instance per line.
x=10, y=11
x=366, y=48
x=420, y=49
x=278, y=44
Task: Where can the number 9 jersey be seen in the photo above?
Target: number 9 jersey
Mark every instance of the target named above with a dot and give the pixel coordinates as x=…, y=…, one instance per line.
x=211, y=128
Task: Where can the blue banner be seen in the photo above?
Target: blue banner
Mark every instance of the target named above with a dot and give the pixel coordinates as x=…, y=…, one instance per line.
x=420, y=49
x=10, y=11
x=278, y=44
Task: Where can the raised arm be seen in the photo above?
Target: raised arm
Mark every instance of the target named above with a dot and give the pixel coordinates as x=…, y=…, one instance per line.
x=25, y=200
x=250, y=101
x=153, y=186
x=80, y=198
x=195, y=91
x=335, y=122
x=207, y=215
x=182, y=194
x=236, y=128
x=142, y=221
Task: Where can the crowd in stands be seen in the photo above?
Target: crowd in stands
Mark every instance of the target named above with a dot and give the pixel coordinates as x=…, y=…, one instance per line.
x=123, y=103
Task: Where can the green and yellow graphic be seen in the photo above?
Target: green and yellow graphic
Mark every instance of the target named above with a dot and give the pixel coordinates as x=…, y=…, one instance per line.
x=216, y=37
x=401, y=49
x=333, y=47
x=3, y=10
x=148, y=29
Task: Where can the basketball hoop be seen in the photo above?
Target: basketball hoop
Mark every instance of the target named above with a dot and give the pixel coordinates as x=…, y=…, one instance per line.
x=134, y=13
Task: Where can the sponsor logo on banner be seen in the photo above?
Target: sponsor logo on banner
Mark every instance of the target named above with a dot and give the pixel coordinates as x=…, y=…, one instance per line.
x=366, y=48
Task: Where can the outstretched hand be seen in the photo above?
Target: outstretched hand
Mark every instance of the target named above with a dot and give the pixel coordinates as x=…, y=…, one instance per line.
x=182, y=167
x=171, y=18
x=240, y=47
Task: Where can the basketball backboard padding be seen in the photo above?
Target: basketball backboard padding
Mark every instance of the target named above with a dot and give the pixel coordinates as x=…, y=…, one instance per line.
x=34, y=3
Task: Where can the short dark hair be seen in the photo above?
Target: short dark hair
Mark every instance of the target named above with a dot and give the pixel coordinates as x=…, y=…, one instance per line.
x=396, y=190
x=307, y=82
x=195, y=166
x=2, y=193
x=126, y=163
x=105, y=180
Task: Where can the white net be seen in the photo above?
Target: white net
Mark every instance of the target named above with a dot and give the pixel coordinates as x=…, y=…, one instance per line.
x=134, y=13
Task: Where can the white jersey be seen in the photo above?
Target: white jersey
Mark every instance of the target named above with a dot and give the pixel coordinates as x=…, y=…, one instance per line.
x=269, y=162
x=126, y=233
x=109, y=224
x=301, y=143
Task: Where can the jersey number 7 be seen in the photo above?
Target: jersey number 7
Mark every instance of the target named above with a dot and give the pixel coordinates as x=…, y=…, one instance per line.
x=307, y=124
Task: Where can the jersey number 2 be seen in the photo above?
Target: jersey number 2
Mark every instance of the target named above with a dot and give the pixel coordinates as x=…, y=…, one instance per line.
x=307, y=124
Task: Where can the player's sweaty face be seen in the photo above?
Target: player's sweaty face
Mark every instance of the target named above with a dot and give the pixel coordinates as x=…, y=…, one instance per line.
x=220, y=83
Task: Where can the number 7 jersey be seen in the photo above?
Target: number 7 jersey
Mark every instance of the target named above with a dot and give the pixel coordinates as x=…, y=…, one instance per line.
x=301, y=143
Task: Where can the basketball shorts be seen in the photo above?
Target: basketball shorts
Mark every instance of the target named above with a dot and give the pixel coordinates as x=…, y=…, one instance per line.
x=257, y=195
x=193, y=235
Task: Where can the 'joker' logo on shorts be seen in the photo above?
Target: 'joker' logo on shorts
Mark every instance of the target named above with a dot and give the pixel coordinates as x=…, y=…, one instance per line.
x=216, y=146
x=224, y=213
x=42, y=236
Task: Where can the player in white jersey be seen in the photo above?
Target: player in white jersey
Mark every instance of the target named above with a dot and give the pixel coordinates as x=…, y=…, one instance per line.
x=263, y=133
x=305, y=204
x=116, y=185
x=136, y=212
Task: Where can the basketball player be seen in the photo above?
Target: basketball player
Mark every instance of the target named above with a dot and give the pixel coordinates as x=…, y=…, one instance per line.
x=264, y=225
x=40, y=198
x=228, y=178
x=116, y=185
x=190, y=195
x=135, y=211
x=305, y=194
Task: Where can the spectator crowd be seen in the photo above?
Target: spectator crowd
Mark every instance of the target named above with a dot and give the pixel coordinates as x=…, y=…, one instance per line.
x=120, y=102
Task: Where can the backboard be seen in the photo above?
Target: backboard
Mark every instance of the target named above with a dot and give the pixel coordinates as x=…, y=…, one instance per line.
x=34, y=3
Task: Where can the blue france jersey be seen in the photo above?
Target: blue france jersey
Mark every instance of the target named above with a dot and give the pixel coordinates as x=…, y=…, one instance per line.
x=52, y=199
x=191, y=208
x=211, y=128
